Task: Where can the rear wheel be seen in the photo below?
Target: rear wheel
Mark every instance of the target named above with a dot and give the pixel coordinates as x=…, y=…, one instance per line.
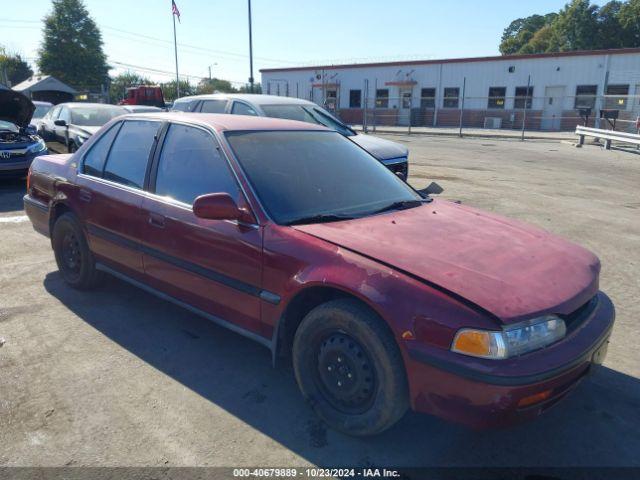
x=348, y=367
x=75, y=261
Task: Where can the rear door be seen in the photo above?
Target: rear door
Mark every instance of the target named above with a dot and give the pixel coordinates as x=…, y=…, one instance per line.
x=213, y=265
x=111, y=184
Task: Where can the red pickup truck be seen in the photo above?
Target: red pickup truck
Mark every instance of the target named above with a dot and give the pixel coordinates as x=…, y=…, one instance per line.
x=383, y=299
x=144, y=95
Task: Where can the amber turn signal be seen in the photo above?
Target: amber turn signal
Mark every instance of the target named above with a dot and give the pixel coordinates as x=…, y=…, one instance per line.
x=535, y=398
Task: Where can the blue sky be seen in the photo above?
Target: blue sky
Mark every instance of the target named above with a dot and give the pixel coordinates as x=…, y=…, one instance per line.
x=285, y=32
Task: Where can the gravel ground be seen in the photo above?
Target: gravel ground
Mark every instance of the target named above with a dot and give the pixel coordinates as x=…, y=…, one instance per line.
x=117, y=377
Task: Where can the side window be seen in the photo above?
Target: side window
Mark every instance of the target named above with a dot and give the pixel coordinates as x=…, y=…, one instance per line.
x=54, y=113
x=191, y=165
x=127, y=162
x=96, y=157
x=186, y=106
x=65, y=115
x=213, y=106
x=240, y=108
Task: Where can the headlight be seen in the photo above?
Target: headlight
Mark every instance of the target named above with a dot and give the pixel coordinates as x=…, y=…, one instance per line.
x=39, y=146
x=514, y=340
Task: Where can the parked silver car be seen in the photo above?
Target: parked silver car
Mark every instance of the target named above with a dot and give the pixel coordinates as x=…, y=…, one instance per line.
x=393, y=155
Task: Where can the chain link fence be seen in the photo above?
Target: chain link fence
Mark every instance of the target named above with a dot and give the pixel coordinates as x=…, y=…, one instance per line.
x=511, y=115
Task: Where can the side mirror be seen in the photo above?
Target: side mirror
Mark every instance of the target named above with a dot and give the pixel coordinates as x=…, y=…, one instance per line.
x=60, y=123
x=432, y=189
x=216, y=206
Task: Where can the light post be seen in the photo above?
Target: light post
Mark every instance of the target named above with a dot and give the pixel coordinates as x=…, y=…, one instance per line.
x=250, y=52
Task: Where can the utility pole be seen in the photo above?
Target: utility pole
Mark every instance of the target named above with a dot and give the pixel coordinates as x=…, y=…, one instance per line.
x=250, y=52
x=175, y=48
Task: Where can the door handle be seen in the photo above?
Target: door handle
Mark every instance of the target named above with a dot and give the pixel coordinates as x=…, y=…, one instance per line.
x=156, y=220
x=85, y=195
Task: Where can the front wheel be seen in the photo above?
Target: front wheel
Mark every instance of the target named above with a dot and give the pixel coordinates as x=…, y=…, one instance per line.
x=75, y=260
x=349, y=368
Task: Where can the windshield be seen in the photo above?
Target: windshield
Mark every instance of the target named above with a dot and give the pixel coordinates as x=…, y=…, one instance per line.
x=41, y=111
x=95, y=116
x=303, y=174
x=309, y=114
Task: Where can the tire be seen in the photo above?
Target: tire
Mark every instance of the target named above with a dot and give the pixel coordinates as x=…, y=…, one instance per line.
x=75, y=261
x=72, y=147
x=349, y=368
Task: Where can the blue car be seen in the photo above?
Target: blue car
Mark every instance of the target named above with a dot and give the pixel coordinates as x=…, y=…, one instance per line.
x=19, y=143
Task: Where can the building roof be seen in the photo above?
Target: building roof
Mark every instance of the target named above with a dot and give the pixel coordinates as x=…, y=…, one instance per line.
x=504, y=58
x=39, y=83
x=223, y=122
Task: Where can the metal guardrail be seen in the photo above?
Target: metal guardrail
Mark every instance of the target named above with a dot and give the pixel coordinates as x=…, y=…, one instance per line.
x=607, y=135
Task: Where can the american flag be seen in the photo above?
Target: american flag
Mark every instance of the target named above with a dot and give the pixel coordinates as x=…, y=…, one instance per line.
x=174, y=9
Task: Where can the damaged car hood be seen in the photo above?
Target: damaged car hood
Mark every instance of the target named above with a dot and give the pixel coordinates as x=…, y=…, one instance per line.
x=511, y=269
x=16, y=108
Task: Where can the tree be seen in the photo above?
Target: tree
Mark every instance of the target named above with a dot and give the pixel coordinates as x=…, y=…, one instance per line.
x=13, y=68
x=72, y=47
x=257, y=88
x=629, y=17
x=119, y=84
x=212, y=85
x=169, y=90
x=578, y=26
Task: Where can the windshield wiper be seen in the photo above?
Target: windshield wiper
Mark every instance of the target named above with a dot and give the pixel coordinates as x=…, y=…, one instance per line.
x=401, y=205
x=320, y=218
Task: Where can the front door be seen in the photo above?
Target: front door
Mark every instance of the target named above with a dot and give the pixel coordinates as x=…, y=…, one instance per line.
x=552, y=110
x=212, y=265
x=404, y=112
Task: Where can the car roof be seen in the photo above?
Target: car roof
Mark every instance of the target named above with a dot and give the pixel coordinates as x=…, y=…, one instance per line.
x=224, y=122
x=256, y=99
x=86, y=104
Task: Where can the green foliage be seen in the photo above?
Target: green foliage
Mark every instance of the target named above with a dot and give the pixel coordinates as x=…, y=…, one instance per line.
x=169, y=90
x=257, y=88
x=120, y=83
x=577, y=26
x=13, y=68
x=214, y=85
x=72, y=47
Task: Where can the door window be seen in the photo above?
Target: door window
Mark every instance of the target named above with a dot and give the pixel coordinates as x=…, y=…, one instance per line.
x=213, y=106
x=53, y=114
x=65, y=115
x=240, y=108
x=191, y=165
x=127, y=162
x=96, y=157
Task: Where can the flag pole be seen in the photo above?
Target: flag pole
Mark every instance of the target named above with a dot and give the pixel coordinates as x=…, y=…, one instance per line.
x=175, y=48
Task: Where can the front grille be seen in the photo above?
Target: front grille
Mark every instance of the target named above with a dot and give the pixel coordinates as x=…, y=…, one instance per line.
x=577, y=317
x=12, y=157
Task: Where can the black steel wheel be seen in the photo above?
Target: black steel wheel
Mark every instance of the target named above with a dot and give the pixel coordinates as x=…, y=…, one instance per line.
x=349, y=368
x=75, y=260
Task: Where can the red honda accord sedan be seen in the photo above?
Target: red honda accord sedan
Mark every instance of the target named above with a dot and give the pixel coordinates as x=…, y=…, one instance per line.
x=382, y=298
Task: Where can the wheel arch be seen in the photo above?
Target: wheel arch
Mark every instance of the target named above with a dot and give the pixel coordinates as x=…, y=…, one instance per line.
x=299, y=306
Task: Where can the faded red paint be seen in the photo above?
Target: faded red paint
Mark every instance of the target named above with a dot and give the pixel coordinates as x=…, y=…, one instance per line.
x=429, y=270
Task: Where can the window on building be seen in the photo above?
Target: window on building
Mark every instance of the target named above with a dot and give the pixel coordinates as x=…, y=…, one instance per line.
x=382, y=98
x=586, y=96
x=496, y=97
x=355, y=98
x=191, y=165
x=428, y=98
x=523, y=94
x=616, y=97
x=451, y=97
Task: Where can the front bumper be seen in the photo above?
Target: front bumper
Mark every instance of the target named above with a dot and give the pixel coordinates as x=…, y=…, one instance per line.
x=487, y=393
x=18, y=164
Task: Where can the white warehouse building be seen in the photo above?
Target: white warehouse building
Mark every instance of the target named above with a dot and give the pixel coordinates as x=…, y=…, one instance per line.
x=475, y=92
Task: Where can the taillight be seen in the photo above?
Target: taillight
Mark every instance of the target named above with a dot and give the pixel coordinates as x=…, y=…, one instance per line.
x=29, y=180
